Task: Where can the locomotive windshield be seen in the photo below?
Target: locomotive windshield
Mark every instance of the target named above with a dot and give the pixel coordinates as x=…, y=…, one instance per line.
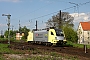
x=59, y=32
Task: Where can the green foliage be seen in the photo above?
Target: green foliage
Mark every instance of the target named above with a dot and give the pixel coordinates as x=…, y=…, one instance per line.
x=23, y=38
x=3, y=39
x=36, y=55
x=70, y=34
x=6, y=34
x=54, y=54
x=69, y=43
x=4, y=48
x=2, y=36
x=21, y=30
x=1, y=57
x=12, y=34
x=25, y=30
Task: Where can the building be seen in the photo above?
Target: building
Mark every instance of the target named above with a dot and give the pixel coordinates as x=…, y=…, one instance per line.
x=19, y=35
x=83, y=32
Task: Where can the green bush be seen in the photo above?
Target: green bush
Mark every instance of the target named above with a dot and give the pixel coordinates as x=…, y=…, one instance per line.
x=70, y=34
x=69, y=43
x=2, y=36
x=3, y=39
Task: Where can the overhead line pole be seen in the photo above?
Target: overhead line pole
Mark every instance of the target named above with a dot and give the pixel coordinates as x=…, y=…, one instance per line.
x=60, y=20
x=77, y=5
x=19, y=27
x=36, y=25
x=8, y=16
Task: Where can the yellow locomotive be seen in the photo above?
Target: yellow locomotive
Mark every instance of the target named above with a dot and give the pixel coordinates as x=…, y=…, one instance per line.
x=47, y=37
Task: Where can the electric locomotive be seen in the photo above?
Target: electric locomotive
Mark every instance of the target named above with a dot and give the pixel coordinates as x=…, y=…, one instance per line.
x=47, y=37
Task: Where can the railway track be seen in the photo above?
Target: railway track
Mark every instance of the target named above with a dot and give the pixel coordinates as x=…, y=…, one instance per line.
x=60, y=49
x=79, y=52
x=26, y=46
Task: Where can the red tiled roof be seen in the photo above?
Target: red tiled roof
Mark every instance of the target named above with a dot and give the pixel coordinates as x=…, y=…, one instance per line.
x=85, y=25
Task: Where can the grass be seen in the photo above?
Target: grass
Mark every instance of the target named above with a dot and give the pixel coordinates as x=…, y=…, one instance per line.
x=52, y=56
x=71, y=57
x=3, y=39
x=76, y=45
x=37, y=54
x=4, y=49
x=1, y=57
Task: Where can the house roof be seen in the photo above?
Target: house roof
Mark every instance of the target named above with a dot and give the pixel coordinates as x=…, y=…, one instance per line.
x=85, y=25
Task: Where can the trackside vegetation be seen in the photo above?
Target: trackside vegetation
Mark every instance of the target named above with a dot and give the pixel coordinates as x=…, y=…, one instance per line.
x=7, y=53
x=69, y=43
x=70, y=34
x=35, y=54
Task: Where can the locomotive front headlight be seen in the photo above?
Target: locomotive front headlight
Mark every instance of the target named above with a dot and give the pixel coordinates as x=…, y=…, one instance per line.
x=56, y=38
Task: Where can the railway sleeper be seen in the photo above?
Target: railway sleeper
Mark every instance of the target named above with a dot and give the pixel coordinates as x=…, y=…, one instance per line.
x=43, y=43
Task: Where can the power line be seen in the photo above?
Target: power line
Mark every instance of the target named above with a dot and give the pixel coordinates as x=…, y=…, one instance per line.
x=51, y=13
x=58, y=11
x=85, y=3
x=44, y=15
x=77, y=5
x=37, y=9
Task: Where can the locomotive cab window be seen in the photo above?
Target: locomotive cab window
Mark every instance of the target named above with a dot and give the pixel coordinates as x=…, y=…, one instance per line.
x=59, y=32
x=52, y=33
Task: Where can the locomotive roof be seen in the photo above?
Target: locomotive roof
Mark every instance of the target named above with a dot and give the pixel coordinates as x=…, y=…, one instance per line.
x=41, y=31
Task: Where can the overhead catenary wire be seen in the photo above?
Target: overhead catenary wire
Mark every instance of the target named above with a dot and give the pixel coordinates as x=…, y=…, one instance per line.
x=58, y=11
x=77, y=5
x=62, y=10
x=50, y=13
x=36, y=18
x=36, y=10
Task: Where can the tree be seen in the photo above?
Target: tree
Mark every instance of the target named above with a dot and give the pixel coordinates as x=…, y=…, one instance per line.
x=12, y=33
x=59, y=21
x=70, y=34
x=2, y=36
x=64, y=20
x=25, y=31
x=6, y=34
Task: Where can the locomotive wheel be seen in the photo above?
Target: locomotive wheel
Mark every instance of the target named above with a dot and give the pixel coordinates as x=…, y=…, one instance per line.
x=48, y=44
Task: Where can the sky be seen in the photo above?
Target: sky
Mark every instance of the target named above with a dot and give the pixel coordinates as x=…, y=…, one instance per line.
x=28, y=11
